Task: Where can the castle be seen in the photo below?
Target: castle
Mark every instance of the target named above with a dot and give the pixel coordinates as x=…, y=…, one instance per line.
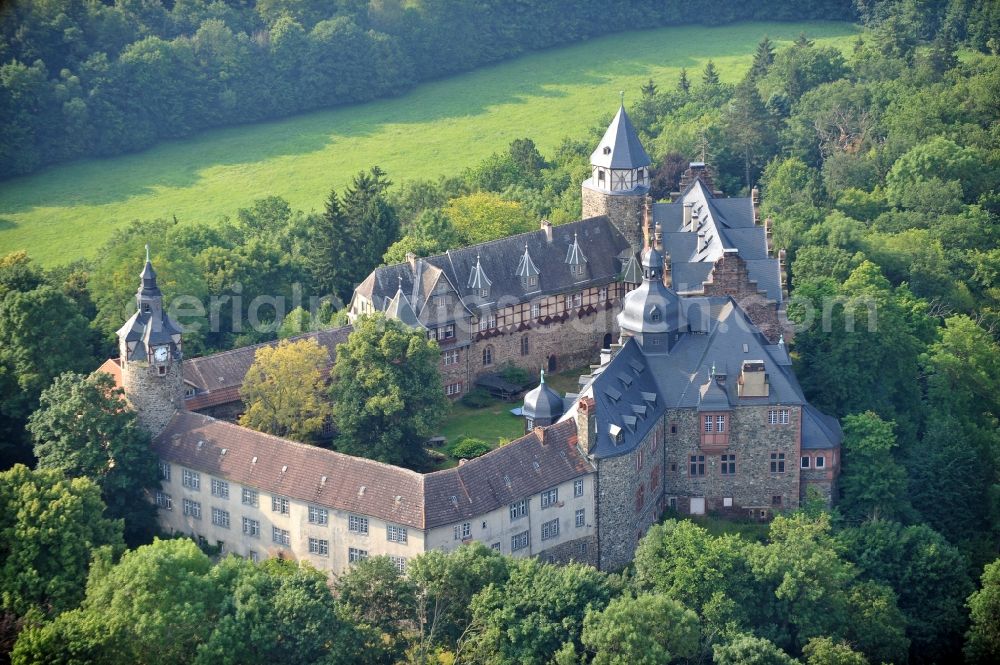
x=693, y=404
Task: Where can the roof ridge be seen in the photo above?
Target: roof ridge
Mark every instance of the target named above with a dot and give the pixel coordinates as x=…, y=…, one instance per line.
x=206, y=419
x=268, y=343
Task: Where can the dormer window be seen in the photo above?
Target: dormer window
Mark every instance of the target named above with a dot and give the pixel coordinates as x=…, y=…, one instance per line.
x=485, y=293
x=577, y=270
x=654, y=315
x=146, y=309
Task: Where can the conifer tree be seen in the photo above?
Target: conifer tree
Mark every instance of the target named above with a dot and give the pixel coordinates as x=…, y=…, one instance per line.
x=762, y=58
x=683, y=84
x=710, y=75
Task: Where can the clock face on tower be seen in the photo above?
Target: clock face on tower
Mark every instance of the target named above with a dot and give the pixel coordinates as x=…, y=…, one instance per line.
x=160, y=354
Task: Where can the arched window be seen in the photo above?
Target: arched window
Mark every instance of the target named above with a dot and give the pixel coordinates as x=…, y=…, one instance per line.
x=524, y=345
x=487, y=356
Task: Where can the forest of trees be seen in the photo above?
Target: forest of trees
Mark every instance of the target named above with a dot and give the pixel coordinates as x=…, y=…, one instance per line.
x=880, y=170
x=89, y=78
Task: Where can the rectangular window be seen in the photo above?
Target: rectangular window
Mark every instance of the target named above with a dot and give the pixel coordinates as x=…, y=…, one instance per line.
x=191, y=479
x=804, y=462
x=777, y=417
x=580, y=517
x=550, y=529
x=453, y=389
x=449, y=331
x=820, y=461
x=192, y=509
x=279, y=504
x=251, y=527
x=728, y=465
x=400, y=563
x=777, y=462
x=577, y=300
x=164, y=501
x=354, y=555
x=550, y=497
x=253, y=556
x=578, y=487
x=281, y=536
x=395, y=534
x=249, y=497
x=518, y=509
x=519, y=541
x=220, y=488
x=708, y=423
x=318, y=516
x=357, y=524
x=697, y=465
x=602, y=294
x=220, y=517
x=463, y=531
x=495, y=547
x=451, y=357
x=776, y=500
x=720, y=423
x=164, y=470
x=319, y=547
x=536, y=311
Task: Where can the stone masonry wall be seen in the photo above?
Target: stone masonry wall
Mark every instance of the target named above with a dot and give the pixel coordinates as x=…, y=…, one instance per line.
x=730, y=277
x=154, y=398
x=752, y=440
x=622, y=519
x=624, y=210
x=581, y=550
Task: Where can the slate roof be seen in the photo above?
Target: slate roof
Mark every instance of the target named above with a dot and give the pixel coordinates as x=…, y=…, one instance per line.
x=296, y=470
x=535, y=462
x=720, y=331
x=603, y=244
x=541, y=402
x=217, y=378
x=819, y=431
x=724, y=224
x=620, y=148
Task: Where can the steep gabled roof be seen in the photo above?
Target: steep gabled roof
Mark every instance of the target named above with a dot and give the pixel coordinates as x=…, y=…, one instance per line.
x=620, y=147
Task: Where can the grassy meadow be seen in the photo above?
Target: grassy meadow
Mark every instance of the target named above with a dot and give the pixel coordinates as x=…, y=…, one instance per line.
x=67, y=212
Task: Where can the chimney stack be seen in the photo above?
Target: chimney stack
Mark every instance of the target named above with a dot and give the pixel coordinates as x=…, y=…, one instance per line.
x=411, y=258
x=547, y=227
x=687, y=215
x=586, y=425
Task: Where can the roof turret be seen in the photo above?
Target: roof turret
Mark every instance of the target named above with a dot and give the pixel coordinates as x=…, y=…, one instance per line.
x=477, y=277
x=543, y=403
x=526, y=267
x=620, y=148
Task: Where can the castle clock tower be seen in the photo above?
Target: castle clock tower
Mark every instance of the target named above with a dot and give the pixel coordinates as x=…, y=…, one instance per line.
x=619, y=180
x=149, y=345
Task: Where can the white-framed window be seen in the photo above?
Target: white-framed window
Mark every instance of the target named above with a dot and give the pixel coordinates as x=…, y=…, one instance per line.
x=488, y=356
x=550, y=497
x=449, y=331
x=192, y=508
x=318, y=515
x=578, y=300
x=577, y=269
x=281, y=536
x=820, y=461
x=536, y=310
x=519, y=541
x=518, y=509
x=400, y=563
x=279, y=504
x=533, y=280
x=530, y=423
x=220, y=517
x=451, y=357
x=777, y=417
x=354, y=555
x=709, y=423
x=220, y=488
x=164, y=471
x=720, y=423
x=319, y=547
x=804, y=462
x=251, y=527
x=395, y=534
x=357, y=524
x=249, y=497
x=453, y=389
x=578, y=487
x=550, y=529
x=191, y=479
x=164, y=500
x=462, y=531
x=602, y=293
x=581, y=517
